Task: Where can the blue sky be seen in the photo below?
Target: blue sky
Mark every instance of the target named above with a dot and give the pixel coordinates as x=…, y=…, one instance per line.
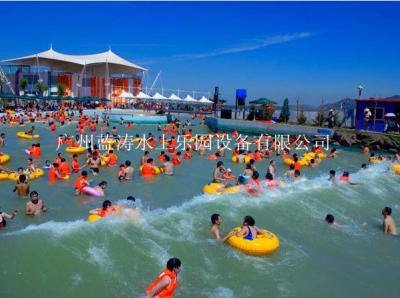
x=314, y=51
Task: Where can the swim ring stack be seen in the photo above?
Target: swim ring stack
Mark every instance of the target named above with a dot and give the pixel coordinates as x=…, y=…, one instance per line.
x=261, y=246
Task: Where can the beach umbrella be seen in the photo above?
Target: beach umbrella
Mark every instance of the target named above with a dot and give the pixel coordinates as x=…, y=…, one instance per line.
x=388, y=115
x=262, y=101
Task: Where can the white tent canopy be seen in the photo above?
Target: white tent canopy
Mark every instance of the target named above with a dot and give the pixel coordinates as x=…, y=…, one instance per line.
x=189, y=99
x=205, y=100
x=142, y=95
x=53, y=59
x=158, y=96
x=125, y=94
x=174, y=97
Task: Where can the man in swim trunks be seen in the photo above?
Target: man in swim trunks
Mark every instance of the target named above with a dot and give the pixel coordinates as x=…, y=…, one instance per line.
x=129, y=171
x=216, y=222
x=389, y=226
x=22, y=187
x=168, y=166
x=35, y=206
x=129, y=208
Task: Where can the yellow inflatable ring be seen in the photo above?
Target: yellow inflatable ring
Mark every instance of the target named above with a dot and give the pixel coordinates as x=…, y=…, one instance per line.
x=247, y=159
x=396, y=169
x=262, y=245
x=95, y=217
x=137, y=140
x=4, y=158
x=3, y=176
x=303, y=162
x=15, y=176
x=104, y=160
x=77, y=150
x=23, y=135
x=322, y=156
x=109, y=142
x=374, y=160
x=234, y=159
x=219, y=188
x=157, y=170
x=39, y=172
x=288, y=161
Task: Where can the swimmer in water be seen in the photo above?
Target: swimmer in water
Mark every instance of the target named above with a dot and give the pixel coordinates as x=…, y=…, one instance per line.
x=346, y=178
x=100, y=188
x=22, y=187
x=332, y=177
x=129, y=208
x=30, y=131
x=216, y=222
x=5, y=216
x=330, y=219
x=389, y=226
x=35, y=206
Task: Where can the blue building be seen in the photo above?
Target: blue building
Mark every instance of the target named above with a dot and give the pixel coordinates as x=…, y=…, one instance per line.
x=370, y=114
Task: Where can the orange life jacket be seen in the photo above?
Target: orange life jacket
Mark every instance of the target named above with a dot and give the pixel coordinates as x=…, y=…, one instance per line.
x=297, y=166
x=257, y=156
x=187, y=155
x=53, y=127
x=75, y=166
x=176, y=160
x=52, y=174
x=169, y=290
x=147, y=170
x=80, y=183
x=161, y=158
x=113, y=160
x=344, y=178
x=64, y=169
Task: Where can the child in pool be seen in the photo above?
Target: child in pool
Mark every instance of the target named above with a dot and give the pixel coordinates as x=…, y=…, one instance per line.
x=330, y=219
x=389, y=226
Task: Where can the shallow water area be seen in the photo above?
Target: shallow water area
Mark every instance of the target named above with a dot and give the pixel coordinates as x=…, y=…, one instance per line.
x=59, y=254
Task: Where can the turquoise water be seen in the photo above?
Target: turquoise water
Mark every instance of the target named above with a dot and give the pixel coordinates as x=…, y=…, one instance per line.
x=59, y=254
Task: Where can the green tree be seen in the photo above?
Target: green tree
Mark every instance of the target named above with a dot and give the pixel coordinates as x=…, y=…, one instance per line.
x=301, y=119
x=320, y=119
x=41, y=87
x=23, y=83
x=285, y=112
x=60, y=89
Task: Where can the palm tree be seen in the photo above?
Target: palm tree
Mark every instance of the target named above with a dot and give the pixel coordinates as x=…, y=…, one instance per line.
x=41, y=87
x=60, y=89
x=23, y=83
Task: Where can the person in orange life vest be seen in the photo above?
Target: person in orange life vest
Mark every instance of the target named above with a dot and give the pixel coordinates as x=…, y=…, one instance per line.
x=75, y=142
x=250, y=154
x=92, y=127
x=82, y=131
x=101, y=128
x=171, y=149
x=81, y=182
x=36, y=152
x=235, y=152
x=150, y=140
x=270, y=181
x=106, y=210
x=161, y=156
x=176, y=160
x=345, y=178
x=167, y=282
x=143, y=159
x=53, y=126
x=173, y=130
x=297, y=165
x=68, y=141
x=112, y=158
x=254, y=185
x=318, y=150
x=64, y=167
x=257, y=155
x=148, y=168
x=235, y=134
x=75, y=164
x=173, y=142
x=188, y=154
x=189, y=134
x=58, y=158
x=54, y=172
x=165, y=129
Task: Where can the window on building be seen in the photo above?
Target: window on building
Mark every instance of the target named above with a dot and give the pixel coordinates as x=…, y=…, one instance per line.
x=377, y=113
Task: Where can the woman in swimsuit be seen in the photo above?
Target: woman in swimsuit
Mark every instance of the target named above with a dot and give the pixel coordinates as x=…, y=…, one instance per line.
x=249, y=231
